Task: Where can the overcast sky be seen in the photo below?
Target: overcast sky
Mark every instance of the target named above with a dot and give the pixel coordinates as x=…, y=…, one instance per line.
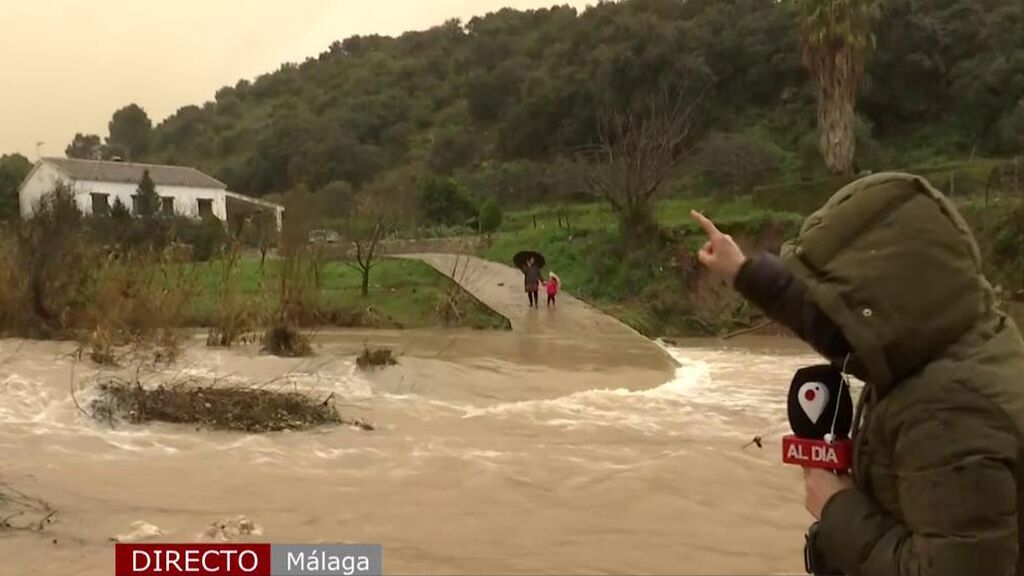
x=68, y=64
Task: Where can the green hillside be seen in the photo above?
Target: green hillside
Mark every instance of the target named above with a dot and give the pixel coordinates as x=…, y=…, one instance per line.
x=497, y=100
x=494, y=111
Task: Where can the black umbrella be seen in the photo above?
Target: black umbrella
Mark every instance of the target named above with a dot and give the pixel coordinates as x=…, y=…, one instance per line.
x=522, y=258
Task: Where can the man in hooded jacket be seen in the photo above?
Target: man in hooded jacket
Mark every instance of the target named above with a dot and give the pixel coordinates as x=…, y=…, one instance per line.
x=886, y=278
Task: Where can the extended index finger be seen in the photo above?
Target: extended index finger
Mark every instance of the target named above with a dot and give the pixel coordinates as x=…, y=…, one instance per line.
x=706, y=224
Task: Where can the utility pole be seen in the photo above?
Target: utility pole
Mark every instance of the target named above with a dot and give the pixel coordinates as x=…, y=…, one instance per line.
x=39, y=145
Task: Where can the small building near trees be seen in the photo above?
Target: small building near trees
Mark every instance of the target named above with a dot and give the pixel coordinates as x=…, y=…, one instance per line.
x=98, y=184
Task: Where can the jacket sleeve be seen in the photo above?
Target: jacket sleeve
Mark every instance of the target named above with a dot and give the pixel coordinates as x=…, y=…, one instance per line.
x=953, y=464
x=765, y=282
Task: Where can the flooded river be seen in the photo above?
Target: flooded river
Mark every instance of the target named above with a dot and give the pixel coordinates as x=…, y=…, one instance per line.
x=494, y=453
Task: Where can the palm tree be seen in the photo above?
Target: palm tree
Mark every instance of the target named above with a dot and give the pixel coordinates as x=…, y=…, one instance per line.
x=837, y=38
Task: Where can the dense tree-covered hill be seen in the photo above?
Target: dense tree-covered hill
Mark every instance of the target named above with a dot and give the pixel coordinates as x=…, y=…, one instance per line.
x=496, y=100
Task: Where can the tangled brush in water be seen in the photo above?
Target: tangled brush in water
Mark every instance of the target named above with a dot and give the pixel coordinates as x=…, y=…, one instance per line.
x=18, y=511
x=239, y=408
x=375, y=358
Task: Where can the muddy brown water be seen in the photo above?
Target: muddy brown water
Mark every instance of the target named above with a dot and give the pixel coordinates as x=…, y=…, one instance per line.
x=494, y=453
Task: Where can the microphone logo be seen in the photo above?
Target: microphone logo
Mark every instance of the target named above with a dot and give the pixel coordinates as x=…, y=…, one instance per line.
x=813, y=398
x=820, y=412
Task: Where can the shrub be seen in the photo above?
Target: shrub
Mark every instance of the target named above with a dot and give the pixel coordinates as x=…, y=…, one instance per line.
x=260, y=232
x=207, y=237
x=375, y=358
x=297, y=279
x=143, y=292
x=58, y=277
x=49, y=269
x=1003, y=244
x=802, y=197
x=1011, y=130
x=286, y=341
x=443, y=201
x=490, y=216
x=809, y=153
x=958, y=179
x=733, y=164
x=120, y=231
x=236, y=314
x=870, y=155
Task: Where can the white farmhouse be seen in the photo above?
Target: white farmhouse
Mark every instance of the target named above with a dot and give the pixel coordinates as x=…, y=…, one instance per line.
x=97, y=184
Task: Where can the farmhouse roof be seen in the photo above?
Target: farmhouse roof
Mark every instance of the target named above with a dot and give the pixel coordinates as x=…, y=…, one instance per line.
x=130, y=172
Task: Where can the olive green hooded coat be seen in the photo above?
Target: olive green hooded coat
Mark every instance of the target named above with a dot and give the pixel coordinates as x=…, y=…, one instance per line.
x=938, y=456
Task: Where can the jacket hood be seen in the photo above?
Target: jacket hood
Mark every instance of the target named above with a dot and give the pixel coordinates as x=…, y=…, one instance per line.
x=890, y=260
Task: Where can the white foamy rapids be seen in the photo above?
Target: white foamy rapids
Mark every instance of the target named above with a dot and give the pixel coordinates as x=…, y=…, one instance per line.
x=699, y=399
x=743, y=380
x=25, y=401
x=33, y=406
x=647, y=411
x=712, y=392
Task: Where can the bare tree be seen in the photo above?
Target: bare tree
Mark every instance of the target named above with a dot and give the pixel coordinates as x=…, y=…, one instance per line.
x=260, y=231
x=379, y=209
x=296, y=292
x=636, y=149
x=451, y=302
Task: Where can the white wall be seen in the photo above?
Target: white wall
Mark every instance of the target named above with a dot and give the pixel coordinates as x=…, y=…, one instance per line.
x=40, y=182
x=184, y=198
x=45, y=177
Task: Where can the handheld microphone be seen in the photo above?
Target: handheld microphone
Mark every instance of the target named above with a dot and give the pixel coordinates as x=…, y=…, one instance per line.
x=820, y=411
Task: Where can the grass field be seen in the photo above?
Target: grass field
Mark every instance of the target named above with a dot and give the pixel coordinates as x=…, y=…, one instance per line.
x=655, y=291
x=674, y=213
x=539, y=227
x=403, y=294
x=647, y=290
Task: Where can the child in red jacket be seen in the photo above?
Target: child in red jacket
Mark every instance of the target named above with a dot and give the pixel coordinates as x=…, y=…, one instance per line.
x=553, y=284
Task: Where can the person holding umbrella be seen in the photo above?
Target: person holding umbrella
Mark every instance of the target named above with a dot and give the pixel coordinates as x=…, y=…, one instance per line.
x=532, y=276
x=531, y=263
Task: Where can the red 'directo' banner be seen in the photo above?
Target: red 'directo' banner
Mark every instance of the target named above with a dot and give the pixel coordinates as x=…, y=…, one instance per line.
x=192, y=560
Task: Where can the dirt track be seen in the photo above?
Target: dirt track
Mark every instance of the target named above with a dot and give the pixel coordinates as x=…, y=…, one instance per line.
x=501, y=288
